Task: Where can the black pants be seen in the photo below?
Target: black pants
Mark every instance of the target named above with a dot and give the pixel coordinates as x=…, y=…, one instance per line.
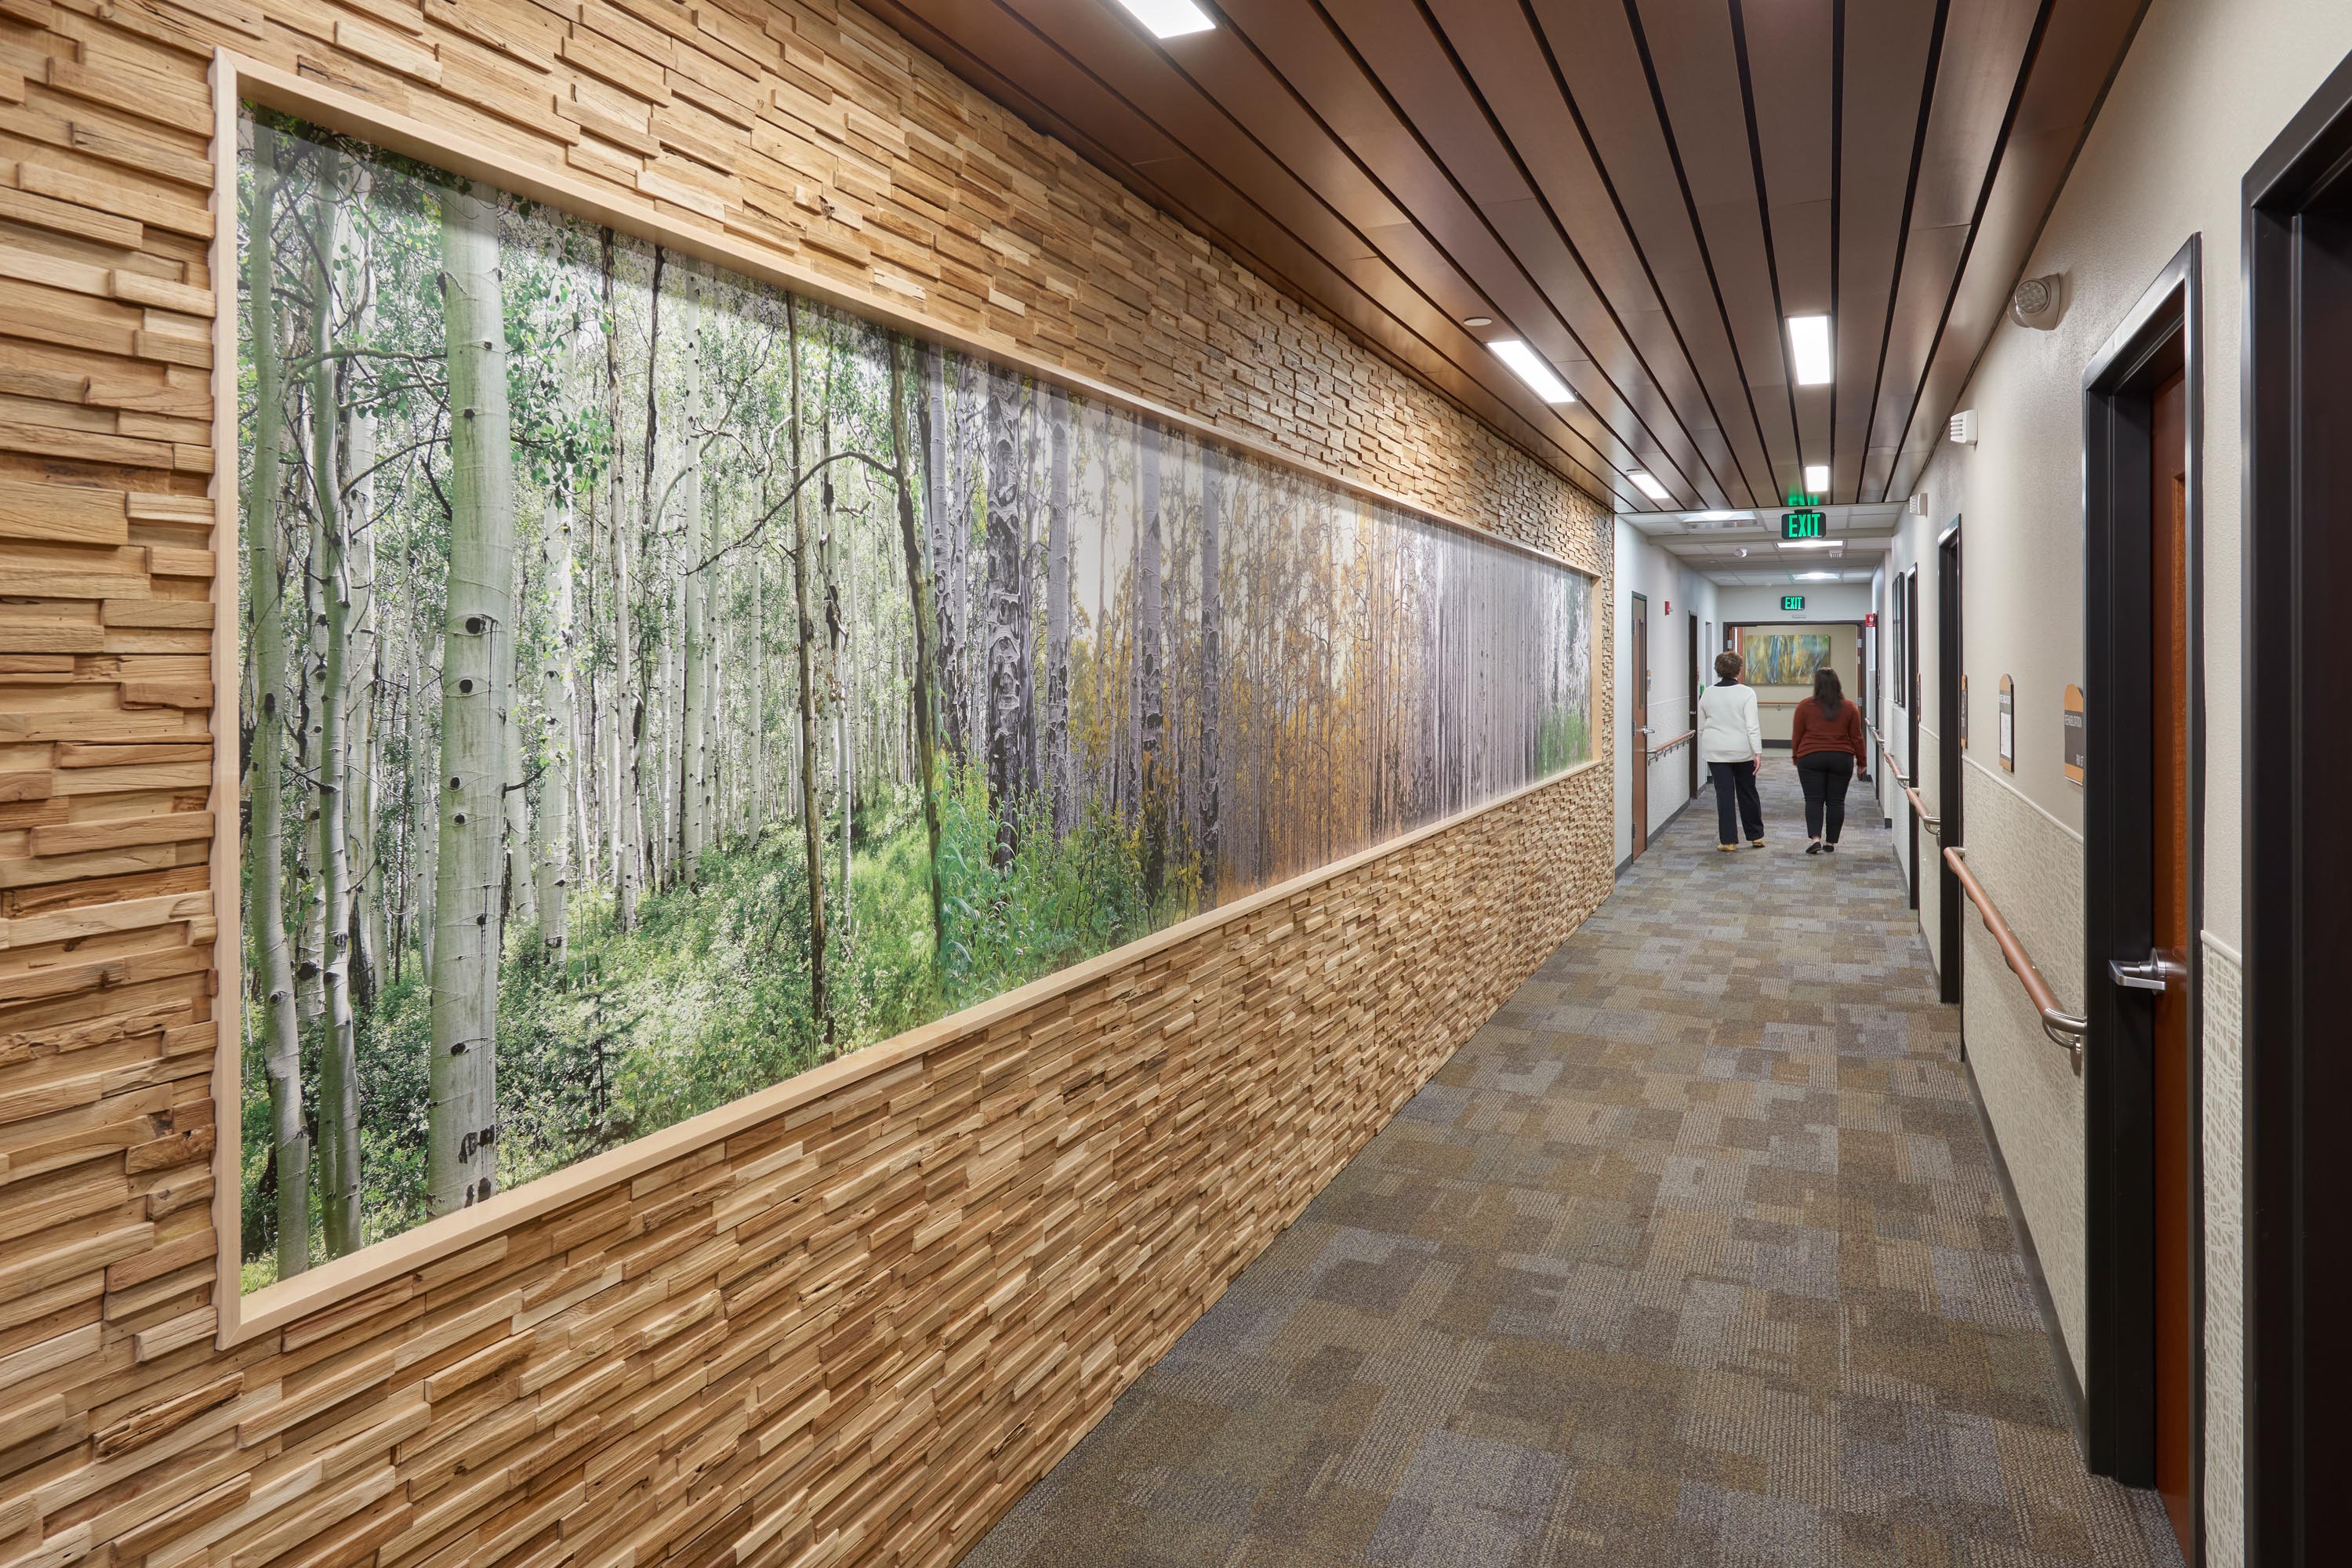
x=1825, y=775
x=1736, y=781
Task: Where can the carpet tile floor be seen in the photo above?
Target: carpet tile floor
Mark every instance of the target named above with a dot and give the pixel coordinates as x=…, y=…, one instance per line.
x=1694, y=1255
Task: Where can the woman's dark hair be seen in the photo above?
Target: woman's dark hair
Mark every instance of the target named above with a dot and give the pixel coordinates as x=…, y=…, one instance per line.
x=1727, y=665
x=1828, y=692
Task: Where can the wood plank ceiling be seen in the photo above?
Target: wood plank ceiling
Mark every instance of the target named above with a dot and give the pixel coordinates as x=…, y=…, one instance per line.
x=1640, y=189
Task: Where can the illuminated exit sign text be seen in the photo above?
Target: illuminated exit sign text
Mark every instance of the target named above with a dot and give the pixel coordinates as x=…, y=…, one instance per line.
x=1804, y=524
x=1792, y=601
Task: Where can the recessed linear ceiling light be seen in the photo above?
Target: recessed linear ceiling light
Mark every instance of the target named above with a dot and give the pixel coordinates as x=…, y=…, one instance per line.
x=1645, y=482
x=1530, y=368
x=1818, y=577
x=1812, y=544
x=1718, y=517
x=1817, y=477
x=1169, y=19
x=1809, y=343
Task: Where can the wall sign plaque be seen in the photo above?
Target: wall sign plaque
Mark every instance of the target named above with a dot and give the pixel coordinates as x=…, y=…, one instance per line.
x=2008, y=725
x=1964, y=713
x=2077, y=749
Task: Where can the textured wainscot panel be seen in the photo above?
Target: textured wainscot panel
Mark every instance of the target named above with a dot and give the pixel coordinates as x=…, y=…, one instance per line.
x=2032, y=867
x=2225, y=1255
x=849, y=1334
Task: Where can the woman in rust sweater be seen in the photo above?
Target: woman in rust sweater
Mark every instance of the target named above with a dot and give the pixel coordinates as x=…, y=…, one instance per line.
x=1825, y=737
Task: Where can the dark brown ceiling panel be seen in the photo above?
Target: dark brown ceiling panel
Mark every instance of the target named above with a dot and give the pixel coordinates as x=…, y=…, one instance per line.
x=1593, y=41
x=1788, y=88
x=1887, y=53
x=2080, y=45
x=1514, y=72
x=1642, y=189
x=1437, y=142
x=1690, y=44
x=1985, y=46
x=1072, y=105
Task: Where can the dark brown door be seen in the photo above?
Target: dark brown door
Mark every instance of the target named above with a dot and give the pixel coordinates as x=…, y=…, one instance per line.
x=1697, y=684
x=2169, y=854
x=1639, y=757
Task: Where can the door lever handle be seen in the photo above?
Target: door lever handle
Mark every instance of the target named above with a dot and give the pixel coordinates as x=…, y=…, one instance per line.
x=2155, y=972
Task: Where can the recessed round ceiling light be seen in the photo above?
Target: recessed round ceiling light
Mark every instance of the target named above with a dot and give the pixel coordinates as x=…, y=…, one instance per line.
x=1477, y=321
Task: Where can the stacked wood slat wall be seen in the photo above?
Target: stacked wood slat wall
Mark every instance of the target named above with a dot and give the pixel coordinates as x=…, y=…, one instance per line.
x=851, y=1334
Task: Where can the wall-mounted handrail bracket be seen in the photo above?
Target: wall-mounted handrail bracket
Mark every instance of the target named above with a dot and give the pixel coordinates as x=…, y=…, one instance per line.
x=2065, y=1029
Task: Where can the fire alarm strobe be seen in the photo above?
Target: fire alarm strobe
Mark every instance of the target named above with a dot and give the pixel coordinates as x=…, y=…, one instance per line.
x=2039, y=302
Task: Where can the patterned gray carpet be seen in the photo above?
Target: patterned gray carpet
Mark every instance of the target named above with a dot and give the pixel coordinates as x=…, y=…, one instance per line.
x=1694, y=1255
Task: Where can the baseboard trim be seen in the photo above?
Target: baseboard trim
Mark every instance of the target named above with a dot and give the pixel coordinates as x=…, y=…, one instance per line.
x=2068, y=1383
x=1672, y=818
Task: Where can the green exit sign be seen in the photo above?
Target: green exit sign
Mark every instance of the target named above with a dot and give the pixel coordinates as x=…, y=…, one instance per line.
x=1804, y=524
x=1792, y=601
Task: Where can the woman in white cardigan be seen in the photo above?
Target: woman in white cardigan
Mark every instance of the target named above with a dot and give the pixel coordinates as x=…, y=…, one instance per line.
x=1731, y=744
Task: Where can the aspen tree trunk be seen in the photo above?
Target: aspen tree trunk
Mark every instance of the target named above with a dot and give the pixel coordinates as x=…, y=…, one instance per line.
x=337, y=1171
x=918, y=599
x=1002, y=611
x=831, y=564
x=644, y=834
x=1057, y=615
x=968, y=692
x=1151, y=647
x=940, y=495
x=553, y=866
x=756, y=807
x=695, y=815
x=425, y=826
x=462, y=1118
x=804, y=640
x=628, y=711
x=522, y=901
x=281, y=1048
x=1212, y=671
x=366, y=661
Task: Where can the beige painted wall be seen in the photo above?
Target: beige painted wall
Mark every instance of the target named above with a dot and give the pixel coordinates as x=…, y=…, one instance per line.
x=2207, y=85
x=1661, y=579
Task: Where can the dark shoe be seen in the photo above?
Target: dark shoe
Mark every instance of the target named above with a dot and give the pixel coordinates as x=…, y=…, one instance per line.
x=1814, y=847
x=1829, y=848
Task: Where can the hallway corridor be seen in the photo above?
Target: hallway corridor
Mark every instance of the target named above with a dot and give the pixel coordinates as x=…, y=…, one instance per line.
x=1694, y=1255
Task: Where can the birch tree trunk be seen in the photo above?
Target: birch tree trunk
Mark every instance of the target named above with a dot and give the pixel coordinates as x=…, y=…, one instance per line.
x=628, y=704
x=1151, y=645
x=695, y=816
x=918, y=599
x=553, y=863
x=462, y=1117
x=522, y=888
x=1057, y=614
x=1002, y=611
x=1212, y=671
x=804, y=641
x=337, y=1171
x=281, y=1047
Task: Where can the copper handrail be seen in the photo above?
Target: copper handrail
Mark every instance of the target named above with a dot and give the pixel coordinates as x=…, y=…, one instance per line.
x=2064, y=1029
x=1657, y=752
x=1927, y=819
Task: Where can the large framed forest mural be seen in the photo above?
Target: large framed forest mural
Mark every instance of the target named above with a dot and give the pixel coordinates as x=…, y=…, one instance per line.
x=654, y=685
